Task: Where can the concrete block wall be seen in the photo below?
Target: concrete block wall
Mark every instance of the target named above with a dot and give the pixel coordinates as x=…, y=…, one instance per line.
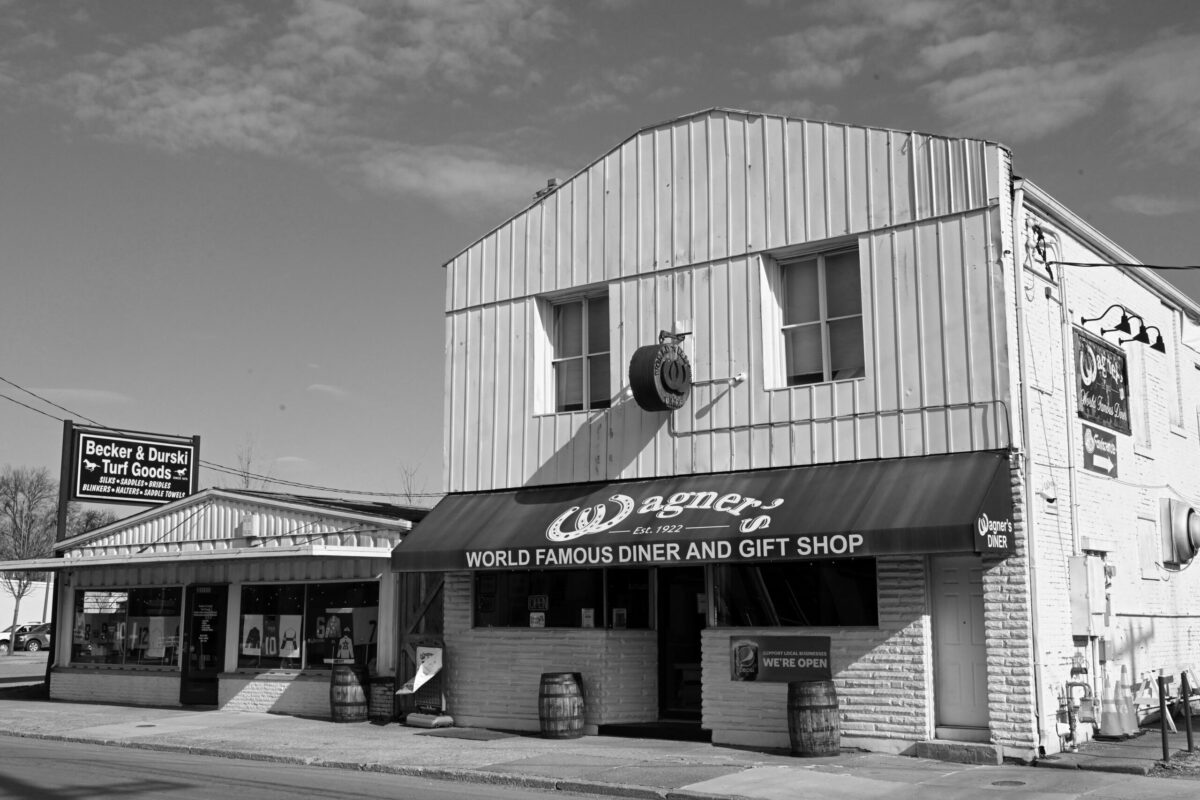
x=493, y=675
x=881, y=675
x=299, y=694
x=1008, y=636
x=121, y=687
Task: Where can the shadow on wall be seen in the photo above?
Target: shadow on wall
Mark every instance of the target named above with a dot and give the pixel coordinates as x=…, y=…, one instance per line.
x=604, y=446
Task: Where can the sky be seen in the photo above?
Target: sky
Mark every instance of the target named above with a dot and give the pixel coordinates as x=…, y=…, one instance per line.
x=230, y=219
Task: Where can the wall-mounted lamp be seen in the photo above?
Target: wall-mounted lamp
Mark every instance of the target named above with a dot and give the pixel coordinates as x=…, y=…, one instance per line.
x=1140, y=336
x=1122, y=326
x=1125, y=326
x=1158, y=342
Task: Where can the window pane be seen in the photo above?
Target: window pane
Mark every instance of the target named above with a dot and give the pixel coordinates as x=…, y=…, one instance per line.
x=628, y=589
x=598, y=325
x=137, y=626
x=598, y=386
x=556, y=598
x=801, y=292
x=568, y=330
x=271, y=629
x=846, y=348
x=340, y=622
x=805, y=361
x=798, y=594
x=842, y=284
x=568, y=385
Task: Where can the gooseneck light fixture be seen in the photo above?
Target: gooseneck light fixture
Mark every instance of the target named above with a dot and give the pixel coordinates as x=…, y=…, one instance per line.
x=1158, y=340
x=1125, y=326
x=1122, y=326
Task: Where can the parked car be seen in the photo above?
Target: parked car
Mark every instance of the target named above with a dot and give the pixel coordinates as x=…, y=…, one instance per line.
x=34, y=639
x=6, y=636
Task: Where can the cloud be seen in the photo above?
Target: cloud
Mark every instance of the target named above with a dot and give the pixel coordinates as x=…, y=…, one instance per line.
x=457, y=177
x=293, y=462
x=1159, y=83
x=304, y=83
x=819, y=57
x=327, y=389
x=1151, y=206
x=1024, y=102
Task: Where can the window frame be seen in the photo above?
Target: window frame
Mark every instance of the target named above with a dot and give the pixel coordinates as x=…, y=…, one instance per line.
x=308, y=659
x=774, y=301
x=546, y=388
x=107, y=650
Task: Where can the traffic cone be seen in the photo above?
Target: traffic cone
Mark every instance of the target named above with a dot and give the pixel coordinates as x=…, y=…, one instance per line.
x=1125, y=706
x=1110, y=717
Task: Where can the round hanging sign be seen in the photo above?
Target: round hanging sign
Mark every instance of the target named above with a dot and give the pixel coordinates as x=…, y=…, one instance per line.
x=660, y=376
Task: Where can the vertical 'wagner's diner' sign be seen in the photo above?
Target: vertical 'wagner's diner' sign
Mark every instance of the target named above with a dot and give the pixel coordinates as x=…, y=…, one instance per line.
x=1101, y=382
x=121, y=467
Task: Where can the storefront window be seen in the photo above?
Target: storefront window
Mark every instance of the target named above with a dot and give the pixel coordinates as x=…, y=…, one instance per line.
x=566, y=598
x=127, y=626
x=308, y=626
x=837, y=593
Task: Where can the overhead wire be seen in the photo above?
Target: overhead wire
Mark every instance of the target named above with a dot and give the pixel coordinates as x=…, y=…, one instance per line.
x=244, y=474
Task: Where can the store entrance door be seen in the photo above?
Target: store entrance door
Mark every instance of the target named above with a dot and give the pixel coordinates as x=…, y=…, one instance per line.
x=204, y=644
x=682, y=612
x=960, y=656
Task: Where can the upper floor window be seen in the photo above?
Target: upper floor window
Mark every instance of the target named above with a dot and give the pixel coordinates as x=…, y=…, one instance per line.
x=822, y=318
x=580, y=354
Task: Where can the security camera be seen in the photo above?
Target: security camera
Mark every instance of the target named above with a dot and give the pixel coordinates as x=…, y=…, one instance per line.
x=1048, y=492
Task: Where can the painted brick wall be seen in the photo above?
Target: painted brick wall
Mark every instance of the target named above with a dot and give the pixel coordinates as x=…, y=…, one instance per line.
x=1154, y=620
x=1009, y=641
x=123, y=687
x=280, y=693
x=494, y=675
x=881, y=675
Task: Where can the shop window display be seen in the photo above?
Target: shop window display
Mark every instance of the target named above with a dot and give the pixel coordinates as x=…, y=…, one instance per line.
x=566, y=598
x=308, y=626
x=127, y=627
x=836, y=593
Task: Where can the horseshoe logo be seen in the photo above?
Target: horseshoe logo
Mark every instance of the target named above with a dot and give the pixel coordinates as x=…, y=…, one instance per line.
x=589, y=520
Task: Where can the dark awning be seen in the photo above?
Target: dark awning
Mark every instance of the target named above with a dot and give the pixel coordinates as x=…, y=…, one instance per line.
x=957, y=503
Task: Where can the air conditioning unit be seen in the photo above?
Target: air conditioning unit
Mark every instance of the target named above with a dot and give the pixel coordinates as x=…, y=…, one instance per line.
x=1180, y=527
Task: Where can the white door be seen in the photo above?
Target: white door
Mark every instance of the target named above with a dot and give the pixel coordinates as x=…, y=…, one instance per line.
x=959, y=655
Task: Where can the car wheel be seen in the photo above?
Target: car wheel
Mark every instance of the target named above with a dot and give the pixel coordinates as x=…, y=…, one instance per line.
x=33, y=645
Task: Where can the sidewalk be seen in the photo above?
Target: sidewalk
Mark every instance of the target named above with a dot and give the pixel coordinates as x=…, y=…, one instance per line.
x=612, y=766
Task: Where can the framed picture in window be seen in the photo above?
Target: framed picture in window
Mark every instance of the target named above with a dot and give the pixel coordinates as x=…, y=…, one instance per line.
x=618, y=618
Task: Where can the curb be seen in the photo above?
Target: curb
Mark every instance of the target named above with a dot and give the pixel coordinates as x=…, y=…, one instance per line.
x=515, y=780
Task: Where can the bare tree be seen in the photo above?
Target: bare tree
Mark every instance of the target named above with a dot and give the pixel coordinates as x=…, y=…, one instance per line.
x=411, y=489
x=245, y=458
x=28, y=524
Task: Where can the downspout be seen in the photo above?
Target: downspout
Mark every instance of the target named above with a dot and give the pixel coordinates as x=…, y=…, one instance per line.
x=1018, y=227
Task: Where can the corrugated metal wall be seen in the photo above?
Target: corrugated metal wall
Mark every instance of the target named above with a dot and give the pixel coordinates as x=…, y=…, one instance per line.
x=292, y=570
x=218, y=524
x=675, y=222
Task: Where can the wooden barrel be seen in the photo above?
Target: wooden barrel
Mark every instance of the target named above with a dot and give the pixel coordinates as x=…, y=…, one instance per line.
x=560, y=705
x=348, y=693
x=814, y=727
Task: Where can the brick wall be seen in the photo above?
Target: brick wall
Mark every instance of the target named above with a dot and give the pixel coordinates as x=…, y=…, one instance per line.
x=121, y=687
x=881, y=675
x=276, y=692
x=493, y=675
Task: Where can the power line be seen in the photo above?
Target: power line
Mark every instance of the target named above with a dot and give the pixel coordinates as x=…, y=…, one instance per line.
x=210, y=465
x=1121, y=264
